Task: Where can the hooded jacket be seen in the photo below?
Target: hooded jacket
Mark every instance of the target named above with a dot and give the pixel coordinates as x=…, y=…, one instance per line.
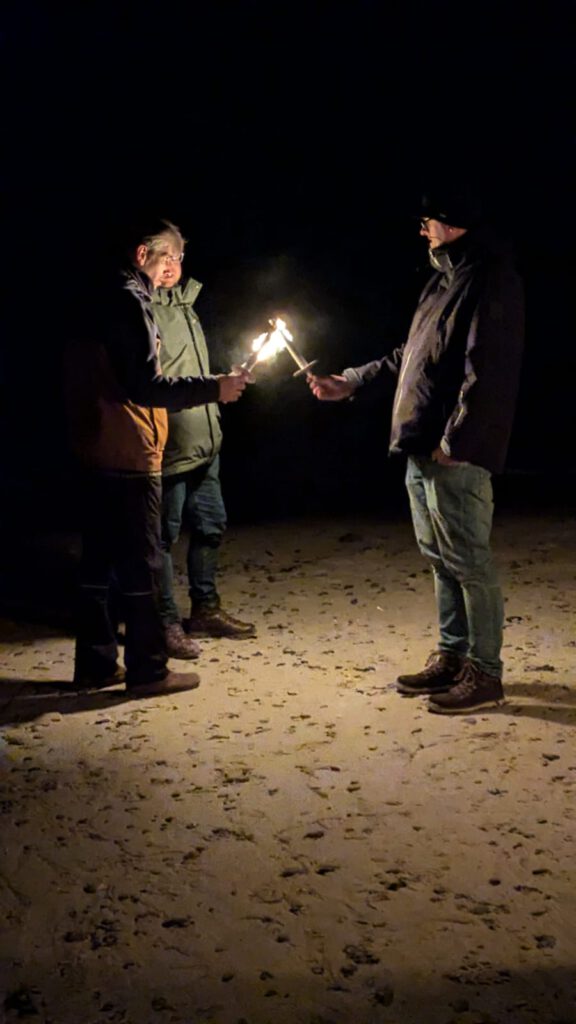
x=116, y=392
x=194, y=435
x=458, y=372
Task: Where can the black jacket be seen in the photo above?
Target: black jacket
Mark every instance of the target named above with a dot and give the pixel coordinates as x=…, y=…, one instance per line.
x=117, y=395
x=130, y=337
x=459, y=370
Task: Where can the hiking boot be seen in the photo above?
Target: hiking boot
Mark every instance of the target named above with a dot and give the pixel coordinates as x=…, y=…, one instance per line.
x=474, y=690
x=174, y=682
x=209, y=622
x=178, y=645
x=440, y=673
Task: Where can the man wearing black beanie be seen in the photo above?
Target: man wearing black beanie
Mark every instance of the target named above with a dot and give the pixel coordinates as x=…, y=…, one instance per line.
x=455, y=382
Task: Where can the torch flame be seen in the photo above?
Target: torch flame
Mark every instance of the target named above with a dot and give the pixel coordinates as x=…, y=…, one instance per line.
x=271, y=342
x=258, y=344
x=282, y=329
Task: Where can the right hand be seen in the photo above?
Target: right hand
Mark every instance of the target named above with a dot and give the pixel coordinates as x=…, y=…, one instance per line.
x=330, y=389
x=232, y=384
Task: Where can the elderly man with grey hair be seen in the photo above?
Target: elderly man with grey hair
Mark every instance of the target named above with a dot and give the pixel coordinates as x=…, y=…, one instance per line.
x=119, y=398
x=191, y=490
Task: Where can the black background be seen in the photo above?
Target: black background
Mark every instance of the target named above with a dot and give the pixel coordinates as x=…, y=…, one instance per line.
x=289, y=142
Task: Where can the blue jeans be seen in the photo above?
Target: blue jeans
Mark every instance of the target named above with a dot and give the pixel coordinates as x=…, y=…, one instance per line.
x=194, y=498
x=452, y=515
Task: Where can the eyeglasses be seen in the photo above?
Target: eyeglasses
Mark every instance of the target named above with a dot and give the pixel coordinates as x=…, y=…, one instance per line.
x=166, y=257
x=424, y=221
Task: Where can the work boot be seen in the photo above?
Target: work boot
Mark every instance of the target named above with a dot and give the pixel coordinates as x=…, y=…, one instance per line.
x=178, y=645
x=174, y=682
x=474, y=690
x=214, y=621
x=442, y=668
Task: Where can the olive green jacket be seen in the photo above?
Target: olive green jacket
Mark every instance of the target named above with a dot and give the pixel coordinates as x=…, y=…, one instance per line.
x=194, y=435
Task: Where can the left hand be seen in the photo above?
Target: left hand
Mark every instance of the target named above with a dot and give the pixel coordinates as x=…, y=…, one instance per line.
x=438, y=455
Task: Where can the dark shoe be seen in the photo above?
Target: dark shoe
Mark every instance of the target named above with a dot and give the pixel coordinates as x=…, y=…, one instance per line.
x=84, y=682
x=216, y=622
x=174, y=682
x=442, y=669
x=178, y=645
x=474, y=690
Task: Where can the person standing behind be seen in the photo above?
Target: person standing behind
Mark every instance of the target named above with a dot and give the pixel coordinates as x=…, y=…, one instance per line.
x=191, y=491
x=117, y=398
x=456, y=380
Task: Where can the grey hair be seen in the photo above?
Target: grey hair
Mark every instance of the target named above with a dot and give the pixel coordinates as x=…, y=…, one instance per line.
x=156, y=233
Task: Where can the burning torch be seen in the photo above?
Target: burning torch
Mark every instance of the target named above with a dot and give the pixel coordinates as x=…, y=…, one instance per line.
x=281, y=328
x=271, y=342
x=258, y=354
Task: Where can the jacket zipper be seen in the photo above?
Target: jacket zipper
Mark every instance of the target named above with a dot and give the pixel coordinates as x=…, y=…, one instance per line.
x=190, y=323
x=154, y=428
x=152, y=414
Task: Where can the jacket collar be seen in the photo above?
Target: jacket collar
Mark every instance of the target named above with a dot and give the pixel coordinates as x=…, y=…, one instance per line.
x=182, y=295
x=449, y=257
x=137, y=282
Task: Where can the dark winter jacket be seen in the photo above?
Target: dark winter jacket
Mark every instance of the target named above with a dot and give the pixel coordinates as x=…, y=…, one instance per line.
x=458, y=372
x=117, y=395
x=194, y=435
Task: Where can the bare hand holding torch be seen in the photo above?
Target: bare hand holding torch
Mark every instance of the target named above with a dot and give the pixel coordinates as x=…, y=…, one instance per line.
x=330, y=389
x=232, y=384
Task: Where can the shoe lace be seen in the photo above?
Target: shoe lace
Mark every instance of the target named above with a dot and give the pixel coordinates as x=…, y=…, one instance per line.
x=466, y=680
x=434, y=663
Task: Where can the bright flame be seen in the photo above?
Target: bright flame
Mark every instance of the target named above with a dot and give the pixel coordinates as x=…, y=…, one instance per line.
x=258, y=344
x=281, y=329
x=271, y=342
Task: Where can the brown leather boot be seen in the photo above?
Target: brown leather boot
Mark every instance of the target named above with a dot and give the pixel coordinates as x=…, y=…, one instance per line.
x=178, y=645
x=215, y=622
x=438, y=676
x=474, y=689
x=174, y=682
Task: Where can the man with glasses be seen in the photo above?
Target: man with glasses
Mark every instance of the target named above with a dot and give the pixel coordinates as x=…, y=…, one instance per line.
x=118, y=401
x=191, y=489
x=455, y=381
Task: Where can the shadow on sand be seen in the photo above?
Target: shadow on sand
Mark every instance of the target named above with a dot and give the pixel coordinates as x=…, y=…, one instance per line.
x=24, y=701
x=551, y=702
x=492, y=995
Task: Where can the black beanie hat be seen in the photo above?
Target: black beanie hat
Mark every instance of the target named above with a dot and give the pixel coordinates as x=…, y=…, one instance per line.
x=459, y=208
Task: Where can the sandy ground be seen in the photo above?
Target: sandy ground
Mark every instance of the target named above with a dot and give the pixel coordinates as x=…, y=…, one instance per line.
x=294, y=842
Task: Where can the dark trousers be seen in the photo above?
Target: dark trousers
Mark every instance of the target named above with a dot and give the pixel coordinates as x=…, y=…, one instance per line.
x=196, y=499
x=120, y=542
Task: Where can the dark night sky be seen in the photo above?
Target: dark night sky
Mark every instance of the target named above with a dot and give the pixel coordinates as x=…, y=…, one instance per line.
x=289, y=141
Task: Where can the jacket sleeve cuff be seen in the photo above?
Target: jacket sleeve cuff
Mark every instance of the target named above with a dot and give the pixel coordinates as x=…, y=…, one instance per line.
x=353, y=377
x=213, y=386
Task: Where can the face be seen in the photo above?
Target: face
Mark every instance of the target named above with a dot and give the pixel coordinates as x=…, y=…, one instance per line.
x=163, y=265
x=435, y=232
x=439, y=233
